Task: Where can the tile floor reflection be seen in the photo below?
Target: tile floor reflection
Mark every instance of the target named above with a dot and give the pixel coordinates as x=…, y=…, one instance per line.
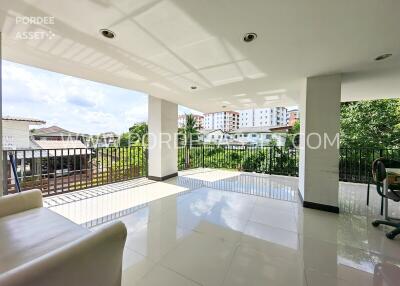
x=214, y=227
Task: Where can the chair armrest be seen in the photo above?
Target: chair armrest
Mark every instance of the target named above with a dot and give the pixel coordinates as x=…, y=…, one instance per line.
x=95, y=259
x=15, y=203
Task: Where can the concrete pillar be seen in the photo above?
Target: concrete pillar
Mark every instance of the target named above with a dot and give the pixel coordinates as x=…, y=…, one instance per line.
x=163, y=149
x=319, y=142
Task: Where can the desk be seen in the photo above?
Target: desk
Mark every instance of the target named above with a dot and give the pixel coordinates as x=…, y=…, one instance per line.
x=393, y=177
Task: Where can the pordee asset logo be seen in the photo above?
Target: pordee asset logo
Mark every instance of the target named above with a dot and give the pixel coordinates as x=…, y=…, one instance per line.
x=41, y=28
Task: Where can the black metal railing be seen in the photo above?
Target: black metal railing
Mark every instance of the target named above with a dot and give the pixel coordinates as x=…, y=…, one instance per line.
x=354, y=164
x=57, y=171
x=265, y=159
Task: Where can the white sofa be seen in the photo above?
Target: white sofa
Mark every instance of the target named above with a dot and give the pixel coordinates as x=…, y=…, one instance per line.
x=40, y=247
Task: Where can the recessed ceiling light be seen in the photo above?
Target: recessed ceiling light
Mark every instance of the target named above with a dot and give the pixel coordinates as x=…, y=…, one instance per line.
x=193, y=87
x=107, y=33
x=382, y=57
x=249, y=37
x=223, y=106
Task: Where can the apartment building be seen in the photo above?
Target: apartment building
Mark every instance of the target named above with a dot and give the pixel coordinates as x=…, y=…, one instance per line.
x=292, y=116
x=224, y=120
x=199, y=120
x=263, y=117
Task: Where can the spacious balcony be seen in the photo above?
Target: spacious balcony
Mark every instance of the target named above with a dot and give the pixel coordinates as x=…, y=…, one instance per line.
x=202, y=227
x=216, y=227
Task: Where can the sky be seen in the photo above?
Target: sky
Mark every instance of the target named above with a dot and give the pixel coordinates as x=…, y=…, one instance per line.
x=72, y=103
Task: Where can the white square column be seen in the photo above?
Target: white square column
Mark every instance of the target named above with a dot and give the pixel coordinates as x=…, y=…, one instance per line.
x=319, y=142
x=162, y=148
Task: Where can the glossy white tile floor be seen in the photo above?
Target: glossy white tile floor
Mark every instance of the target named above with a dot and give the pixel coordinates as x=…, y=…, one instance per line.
x=213, y=227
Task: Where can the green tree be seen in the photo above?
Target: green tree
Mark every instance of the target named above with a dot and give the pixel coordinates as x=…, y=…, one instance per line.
x=124, y=140
x=190, y=132
x=373, y=123
x=292, y=139
x=138, y=133
x=187, y=135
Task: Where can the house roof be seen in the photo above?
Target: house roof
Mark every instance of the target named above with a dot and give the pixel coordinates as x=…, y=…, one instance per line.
x=261, y=129
x=54, y=131
x=55, y=146
x=208, y=131
x=32, y=121
x=281, y=128
x=108, y=135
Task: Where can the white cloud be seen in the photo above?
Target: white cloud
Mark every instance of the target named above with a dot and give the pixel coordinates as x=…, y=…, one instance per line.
x=71, y=103
x=136, y=114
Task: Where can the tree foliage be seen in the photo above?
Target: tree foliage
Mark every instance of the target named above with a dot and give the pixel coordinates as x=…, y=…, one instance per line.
x=138, y=133
x=373, y=123
x=190, y=132
x=292, y=138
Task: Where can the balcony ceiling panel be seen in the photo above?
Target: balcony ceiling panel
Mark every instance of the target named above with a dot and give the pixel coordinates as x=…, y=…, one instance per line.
x=164, y=47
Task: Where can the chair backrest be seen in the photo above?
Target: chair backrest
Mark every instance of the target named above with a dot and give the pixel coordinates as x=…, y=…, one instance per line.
x=379, y=168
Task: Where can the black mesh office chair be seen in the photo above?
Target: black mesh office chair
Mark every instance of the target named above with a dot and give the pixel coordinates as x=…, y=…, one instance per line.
x=380, y=174
x=372, y=180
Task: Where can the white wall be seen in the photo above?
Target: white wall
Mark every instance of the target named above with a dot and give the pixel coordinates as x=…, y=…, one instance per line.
x=215, y=136
x=15, y=134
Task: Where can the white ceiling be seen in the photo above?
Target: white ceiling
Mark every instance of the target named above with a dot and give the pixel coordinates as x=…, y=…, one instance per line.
x=165, y=46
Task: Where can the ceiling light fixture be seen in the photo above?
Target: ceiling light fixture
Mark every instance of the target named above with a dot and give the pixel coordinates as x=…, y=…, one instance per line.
x=382, y=57
x=249, y=37
x=193, y=87
x=107, y=33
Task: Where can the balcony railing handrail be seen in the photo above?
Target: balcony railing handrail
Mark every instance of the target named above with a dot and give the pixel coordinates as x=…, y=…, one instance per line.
x=61, y=170
x=354, y=163
x=68, y=169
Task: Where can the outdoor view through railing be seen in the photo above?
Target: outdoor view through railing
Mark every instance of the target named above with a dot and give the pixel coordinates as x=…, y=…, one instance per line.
x=63, y=170
x=57, y=171
x=354, y=165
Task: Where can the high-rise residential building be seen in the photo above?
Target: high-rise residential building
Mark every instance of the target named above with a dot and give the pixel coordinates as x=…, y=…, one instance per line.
x=199, y=120
x=293, y=116
x=224, y=120
x=275, y=116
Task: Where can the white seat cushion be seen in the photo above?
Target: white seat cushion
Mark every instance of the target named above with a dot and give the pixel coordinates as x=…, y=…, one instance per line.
x=30, y=234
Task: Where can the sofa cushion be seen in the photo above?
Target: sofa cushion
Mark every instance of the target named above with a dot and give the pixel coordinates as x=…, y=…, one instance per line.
x=27, y=235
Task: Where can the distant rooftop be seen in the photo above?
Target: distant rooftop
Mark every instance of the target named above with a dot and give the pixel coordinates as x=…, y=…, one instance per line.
x=54, y=147
x=208, y=131
x=33, y=121
x=53, y=131
x=108, y=134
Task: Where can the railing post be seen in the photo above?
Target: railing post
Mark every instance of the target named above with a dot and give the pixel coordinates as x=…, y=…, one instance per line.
x=147, y=161
x=202, y=147
x=270, y=160
x=5, y=174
